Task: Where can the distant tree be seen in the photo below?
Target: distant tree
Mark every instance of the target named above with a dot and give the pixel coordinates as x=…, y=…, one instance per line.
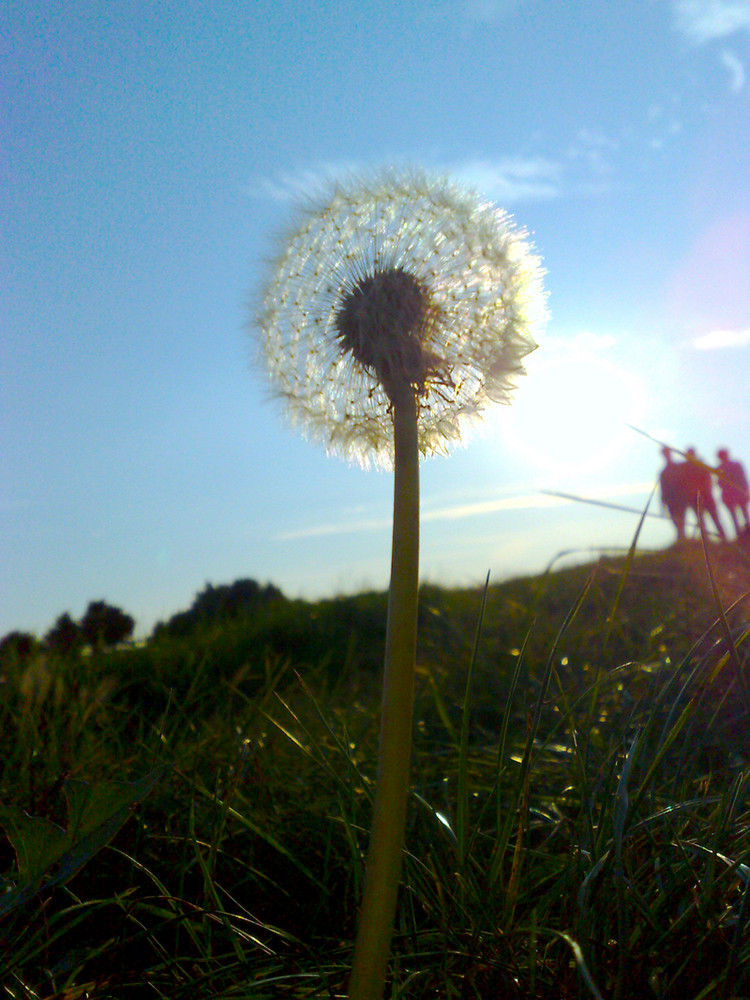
x=240, y=599
x=234, y=599
x=104, y=625
x=17, y=648
x=65, y=637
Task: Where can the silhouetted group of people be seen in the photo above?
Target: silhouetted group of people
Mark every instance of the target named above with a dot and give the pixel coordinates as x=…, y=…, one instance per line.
x=688, y=485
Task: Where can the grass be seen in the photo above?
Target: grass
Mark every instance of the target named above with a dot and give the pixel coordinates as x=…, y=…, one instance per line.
x=578, y=824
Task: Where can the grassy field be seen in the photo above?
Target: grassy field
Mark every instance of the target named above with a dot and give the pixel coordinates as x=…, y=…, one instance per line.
x=186, y=818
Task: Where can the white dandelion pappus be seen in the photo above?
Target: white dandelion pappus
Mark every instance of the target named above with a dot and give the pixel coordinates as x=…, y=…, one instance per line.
x=399, y=278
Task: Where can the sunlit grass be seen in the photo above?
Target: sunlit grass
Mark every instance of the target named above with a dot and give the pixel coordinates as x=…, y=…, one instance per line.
x=578, y=824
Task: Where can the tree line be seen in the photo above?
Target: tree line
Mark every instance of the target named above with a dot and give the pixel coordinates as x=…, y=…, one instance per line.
x=101, y=627
x=104, y=626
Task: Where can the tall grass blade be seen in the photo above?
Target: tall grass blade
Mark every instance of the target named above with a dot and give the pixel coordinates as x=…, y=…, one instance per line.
x=462, y=791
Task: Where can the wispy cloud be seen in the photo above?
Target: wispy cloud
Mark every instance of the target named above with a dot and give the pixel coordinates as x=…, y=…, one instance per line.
x=716, y=340
x=508, y=179
x=457, y=512
x=321, y=530
x=585, y=165
x=593, y=150
x=702, y=21
x=511, y=179
x=530, y=501
x=291, y=185
x=736, y=71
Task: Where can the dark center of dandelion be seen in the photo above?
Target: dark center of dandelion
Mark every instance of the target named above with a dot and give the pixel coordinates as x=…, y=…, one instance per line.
x=381, y=321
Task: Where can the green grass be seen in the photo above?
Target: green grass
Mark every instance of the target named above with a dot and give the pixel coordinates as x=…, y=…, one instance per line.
x=579, y=824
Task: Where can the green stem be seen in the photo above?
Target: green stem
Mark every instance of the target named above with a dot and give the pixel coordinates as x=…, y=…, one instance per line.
x=385, y=854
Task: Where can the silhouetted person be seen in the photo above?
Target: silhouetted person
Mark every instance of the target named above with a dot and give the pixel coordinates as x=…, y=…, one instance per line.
x=674, y=497
x=700, y=491
x=734, y=490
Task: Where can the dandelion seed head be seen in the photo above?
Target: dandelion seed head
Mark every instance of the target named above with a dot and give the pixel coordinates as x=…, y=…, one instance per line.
x=398, y=280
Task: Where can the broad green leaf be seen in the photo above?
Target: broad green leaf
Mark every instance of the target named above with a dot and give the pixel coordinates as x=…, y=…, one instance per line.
x=47, y=855
x=37, y=842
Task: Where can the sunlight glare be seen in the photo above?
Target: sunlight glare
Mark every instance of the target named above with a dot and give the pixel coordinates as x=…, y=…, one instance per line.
x=572, y=410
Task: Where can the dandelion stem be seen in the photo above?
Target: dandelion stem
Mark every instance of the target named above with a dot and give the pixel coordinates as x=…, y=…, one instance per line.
x=385, y=853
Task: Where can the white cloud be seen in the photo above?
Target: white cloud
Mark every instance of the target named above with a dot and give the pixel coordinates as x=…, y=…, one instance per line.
x=321, y=530
x=736, y=71
x=291, y=185
x=511, y=179
x=491, y=507
x=702, y=21
x=665, y=119
x=720, y=339
x=534, y=501
x=593, y=148
x=508, y=179
x=457, y=512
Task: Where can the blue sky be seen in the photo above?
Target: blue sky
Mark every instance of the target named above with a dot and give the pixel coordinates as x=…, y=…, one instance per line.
x=151, y=153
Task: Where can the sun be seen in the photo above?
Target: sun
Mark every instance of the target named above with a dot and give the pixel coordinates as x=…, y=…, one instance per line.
x=572, y=410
